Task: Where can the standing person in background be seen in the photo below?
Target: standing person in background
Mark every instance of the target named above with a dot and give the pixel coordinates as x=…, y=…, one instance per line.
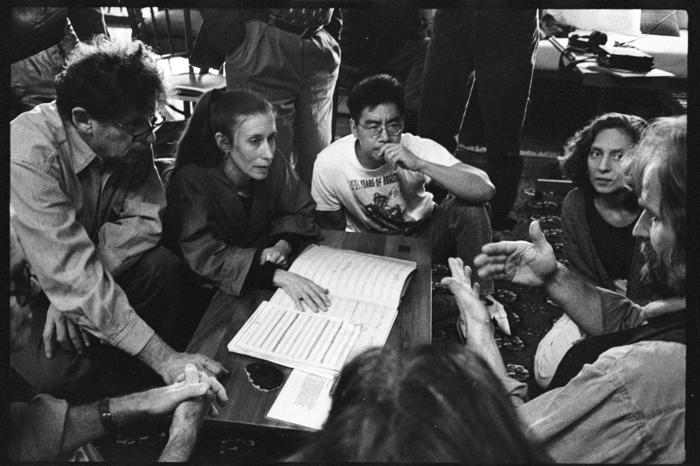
x=39, y=41
x=499, y=46
x=289, y=56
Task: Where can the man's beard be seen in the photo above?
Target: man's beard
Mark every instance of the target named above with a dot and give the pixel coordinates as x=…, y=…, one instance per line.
x=666, y=272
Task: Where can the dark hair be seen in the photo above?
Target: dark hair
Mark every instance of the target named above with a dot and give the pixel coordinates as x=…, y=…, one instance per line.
x=216, y=111
x=373, y=91
x=663, y=144
x=431, y=404
x=574, y=162
x=109, y=79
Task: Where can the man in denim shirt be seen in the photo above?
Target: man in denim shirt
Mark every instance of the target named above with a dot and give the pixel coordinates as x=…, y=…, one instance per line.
x=86, y=202
x=624, y=399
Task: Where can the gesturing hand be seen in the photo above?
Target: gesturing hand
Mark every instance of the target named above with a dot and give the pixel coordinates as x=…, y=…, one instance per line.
x=302, y=290
x=471, y=309
x=68, y=334
x=530, y=264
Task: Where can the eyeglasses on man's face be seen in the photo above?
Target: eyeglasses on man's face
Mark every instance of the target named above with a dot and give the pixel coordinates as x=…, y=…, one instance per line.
x=375, y=129
x=154, y=122
x=21, y=285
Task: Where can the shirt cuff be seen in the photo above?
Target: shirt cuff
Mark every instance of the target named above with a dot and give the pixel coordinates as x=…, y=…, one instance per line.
x=133, y=336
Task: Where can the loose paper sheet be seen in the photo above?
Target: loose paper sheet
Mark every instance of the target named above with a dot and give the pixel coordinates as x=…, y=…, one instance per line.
x=304, y=400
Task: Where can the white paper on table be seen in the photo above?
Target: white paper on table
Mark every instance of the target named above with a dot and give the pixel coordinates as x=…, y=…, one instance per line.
x=315, y=342
x=354, y=275
x=304, y=400
x=363, y=289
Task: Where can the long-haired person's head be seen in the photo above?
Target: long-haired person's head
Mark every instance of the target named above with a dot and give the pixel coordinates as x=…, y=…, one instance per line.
x=657, y=173
x=593, y=156
x=237, y=123
x=433, y=404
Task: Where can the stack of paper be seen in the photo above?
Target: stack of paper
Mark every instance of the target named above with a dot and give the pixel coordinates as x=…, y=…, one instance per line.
x=364, y=290
x=311, y=341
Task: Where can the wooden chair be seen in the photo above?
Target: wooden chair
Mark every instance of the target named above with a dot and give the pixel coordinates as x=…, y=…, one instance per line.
x=171, y=33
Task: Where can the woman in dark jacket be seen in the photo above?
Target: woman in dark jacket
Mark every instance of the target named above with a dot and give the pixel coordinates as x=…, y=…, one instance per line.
x=237, y=211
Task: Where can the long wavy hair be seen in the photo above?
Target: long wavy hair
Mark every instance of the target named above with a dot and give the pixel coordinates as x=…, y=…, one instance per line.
x=216, y=111
x=574, y=162
x=432, y=404
x=664, y=144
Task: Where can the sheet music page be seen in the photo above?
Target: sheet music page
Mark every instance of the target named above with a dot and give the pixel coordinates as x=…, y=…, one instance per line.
x=304, y=400
x=355, y=275
x=315, y=342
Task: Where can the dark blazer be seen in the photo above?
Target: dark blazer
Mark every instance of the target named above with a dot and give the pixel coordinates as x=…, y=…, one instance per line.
x=208, y=224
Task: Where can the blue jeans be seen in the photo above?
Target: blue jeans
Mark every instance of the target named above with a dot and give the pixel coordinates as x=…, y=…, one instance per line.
x=298, y=77
x=458, y=229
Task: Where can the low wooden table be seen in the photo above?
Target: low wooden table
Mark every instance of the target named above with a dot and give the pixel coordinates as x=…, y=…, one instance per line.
x=247, y=406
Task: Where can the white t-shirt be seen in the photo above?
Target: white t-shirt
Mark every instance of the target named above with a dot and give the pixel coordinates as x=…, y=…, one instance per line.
x=386, y=199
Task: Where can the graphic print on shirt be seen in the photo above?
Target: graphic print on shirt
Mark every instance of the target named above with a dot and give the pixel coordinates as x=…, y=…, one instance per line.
x=383, y=202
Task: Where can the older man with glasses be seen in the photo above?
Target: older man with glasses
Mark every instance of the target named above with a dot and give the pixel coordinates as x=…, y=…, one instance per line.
x=374, y=180
x=86, y=203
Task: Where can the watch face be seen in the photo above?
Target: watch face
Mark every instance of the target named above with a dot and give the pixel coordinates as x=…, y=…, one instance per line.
x=264, y=376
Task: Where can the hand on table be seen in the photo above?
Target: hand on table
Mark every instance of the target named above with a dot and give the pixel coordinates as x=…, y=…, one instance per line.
x=302, y=291
x=530, y=264
x=61, y=329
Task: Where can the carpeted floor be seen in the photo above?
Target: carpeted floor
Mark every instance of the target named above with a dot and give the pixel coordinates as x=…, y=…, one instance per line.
x=530, y=314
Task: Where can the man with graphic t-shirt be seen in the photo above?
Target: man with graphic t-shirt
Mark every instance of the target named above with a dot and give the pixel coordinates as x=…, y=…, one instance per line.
x=374, y=180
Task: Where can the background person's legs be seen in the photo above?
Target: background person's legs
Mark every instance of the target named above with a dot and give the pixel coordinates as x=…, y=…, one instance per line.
x=444, y=88
x=505, y=44
x=314, y=104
